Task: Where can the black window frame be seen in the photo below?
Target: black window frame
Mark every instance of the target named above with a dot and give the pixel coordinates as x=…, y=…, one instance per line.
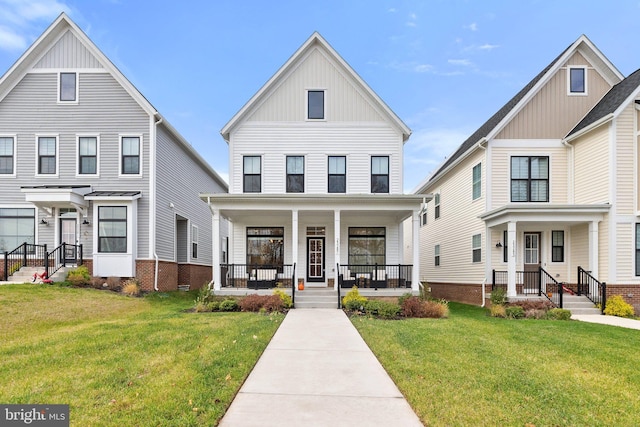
x=337, y=182
x=367, y=233
x=125, y=161
x=102, y=239
x=529, y=180
x=86, y=157
x=272, y=236
x=249, y=182
x=476, y=251
x=476, y=185
x=557, y=250
x=312, y=109
x=580, y=90
x=380, y=181
x=294, y=179
x=63, y=89
x=48, y=157
x=8, y=159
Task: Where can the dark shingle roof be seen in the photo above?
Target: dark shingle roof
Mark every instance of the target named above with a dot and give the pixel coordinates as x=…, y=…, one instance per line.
x=610, y=101
x=113, y=194
x=490, y=124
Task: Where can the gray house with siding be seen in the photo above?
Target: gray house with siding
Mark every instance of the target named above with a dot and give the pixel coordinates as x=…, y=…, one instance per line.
x=86, y=160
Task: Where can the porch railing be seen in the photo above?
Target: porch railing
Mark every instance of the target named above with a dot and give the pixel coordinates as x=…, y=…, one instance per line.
x=63, y=255
x=339, y=286
x=538, y=282
x=590, y=287
x=25, y=255
x=374, y=276
x=254, y=276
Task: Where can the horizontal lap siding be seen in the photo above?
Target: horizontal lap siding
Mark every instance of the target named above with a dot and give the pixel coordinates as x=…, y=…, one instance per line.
x=579, y=250
x=625, y=173
x=591, y=154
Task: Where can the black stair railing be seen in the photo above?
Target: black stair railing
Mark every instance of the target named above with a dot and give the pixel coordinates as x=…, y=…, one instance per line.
x=592, y=288
x=25, y=255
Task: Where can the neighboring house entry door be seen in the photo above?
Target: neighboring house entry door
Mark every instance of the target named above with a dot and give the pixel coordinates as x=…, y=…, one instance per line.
x=531, y=262
x=315, y=259
x=68, y=235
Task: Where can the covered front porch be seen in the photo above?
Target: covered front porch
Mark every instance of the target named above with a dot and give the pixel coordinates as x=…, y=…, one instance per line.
x=320, y=241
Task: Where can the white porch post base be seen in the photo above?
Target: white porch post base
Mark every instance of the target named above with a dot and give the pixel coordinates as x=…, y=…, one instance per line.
x=415, y=247
x=511, y=259
x=217, y=277
x=336, y=246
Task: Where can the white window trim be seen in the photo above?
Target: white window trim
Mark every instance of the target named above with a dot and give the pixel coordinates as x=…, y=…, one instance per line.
x=473, y=182
x=57, y=137
x=15, y=156
x=97, y=137
x=194, y=232
x=130, y=175
x=586, y=80
x=58, y=95
x=475, y=248
x=306, y=105
x=38, y=217
x=438, y=254
x=436, y=206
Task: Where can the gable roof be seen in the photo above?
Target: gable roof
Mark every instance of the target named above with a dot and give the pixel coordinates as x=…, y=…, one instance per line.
x=609, y=104
x=55, y=32
x=496, y=122
x=315, y=40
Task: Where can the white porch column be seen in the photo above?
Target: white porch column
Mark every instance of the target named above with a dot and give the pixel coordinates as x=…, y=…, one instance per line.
x=593, y=248
x=294, y=244
x=415, y=248
x=215, y=227
x=511, y=259
x=336, y=246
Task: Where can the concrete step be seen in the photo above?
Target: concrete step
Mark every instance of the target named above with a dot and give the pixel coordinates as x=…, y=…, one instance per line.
x=316, y=298
x=579, y=305
x=592, y=310
x=25, y=274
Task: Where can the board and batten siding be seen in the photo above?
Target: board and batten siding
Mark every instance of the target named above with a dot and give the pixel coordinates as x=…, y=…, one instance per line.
x=68, y=53
x=316, y=141
x=180, y=179
x=501, y=170
x=454, y=229
x=344, y=100
x=591, y=167
x=552, y=113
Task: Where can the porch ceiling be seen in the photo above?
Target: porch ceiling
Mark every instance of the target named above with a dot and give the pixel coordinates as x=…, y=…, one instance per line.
x=536, y=213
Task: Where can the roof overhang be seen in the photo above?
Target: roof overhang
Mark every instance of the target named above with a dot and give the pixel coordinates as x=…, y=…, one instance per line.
x=537, y=213
x=46, y=197
x=113, y=195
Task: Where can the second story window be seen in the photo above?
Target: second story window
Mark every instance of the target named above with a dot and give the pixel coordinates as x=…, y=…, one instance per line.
x=252, y=175
x=379, y=174
x=295, y=174
x=529, y=179
x=315, y=105
x=68, y=87
x=436, y=202
x=577, y=81
x=337, y=174
x=87, y=155
x=47, y=155
x=6, y=156
x=130, y=155
x=477, y=181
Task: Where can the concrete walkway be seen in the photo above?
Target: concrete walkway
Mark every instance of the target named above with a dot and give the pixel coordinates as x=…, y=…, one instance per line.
x=317, y=371
x=608, y=320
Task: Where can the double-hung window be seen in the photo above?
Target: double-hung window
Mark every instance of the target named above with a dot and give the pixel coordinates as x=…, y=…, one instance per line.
x=87, y=155
x=436, y=255
x=315, y=105
x=337, y=174
x=130, y=155
x=112, y=229
x=194, y=241
x=436, y=202
x=529, y=179
x=252, y=174
x=68, y=87
x=477, y=181
x=7, y=156
x=557, y=246
x=47, y=151
x=379, y=174
x=295, y=174
x=577, y=81
x=476, y=247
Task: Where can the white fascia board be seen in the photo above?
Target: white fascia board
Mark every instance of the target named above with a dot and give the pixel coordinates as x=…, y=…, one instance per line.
x=591, y=127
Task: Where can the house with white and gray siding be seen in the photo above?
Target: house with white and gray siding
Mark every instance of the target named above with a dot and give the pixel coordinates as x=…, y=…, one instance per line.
x=85, y=159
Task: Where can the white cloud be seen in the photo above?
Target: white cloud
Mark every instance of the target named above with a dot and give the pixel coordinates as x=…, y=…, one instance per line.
x=10, y=40
x=422, y=68
x=392, y=10
x=475, y=47
x=412, y=20
x=488, y=46
x=463, y=62
x=473, y=26
x=411, y=66
x=18, y=19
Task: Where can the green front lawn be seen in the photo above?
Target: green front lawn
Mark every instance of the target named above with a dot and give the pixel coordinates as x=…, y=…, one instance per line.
x=471, y=369
x=121, y=361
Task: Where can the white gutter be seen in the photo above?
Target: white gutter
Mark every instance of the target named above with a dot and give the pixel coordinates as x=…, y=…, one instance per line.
x=589, y=128
x=210, y=284
x=152, y=206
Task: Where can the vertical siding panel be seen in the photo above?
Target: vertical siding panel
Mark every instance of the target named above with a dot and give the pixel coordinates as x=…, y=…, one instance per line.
x=68, y=52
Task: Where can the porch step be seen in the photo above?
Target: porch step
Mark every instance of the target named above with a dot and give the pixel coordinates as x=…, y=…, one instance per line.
x=579, y=305
x=316, y=298
x=25, y=274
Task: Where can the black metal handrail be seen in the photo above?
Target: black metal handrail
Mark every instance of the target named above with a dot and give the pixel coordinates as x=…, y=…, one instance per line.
x=550, y=288
x=339, y=285
x=255, y=276
x=531, y=282
x=593, y=289
x=62, y=256
x=25, y=255
x=293, y=286
x=375, y=275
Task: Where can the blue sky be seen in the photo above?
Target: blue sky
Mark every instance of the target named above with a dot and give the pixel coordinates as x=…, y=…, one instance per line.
x=443, y=66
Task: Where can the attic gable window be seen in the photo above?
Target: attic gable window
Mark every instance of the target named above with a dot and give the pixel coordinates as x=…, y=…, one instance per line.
x=68, y=87
x=315, y=105
x=577, y=80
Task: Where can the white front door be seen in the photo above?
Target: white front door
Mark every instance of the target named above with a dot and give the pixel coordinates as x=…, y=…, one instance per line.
x=315, y=259
x=68, y=236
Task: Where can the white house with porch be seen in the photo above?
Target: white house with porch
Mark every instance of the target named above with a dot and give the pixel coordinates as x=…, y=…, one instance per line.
x=315, y=182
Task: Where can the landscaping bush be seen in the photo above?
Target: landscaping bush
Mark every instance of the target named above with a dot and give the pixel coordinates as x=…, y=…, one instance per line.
x=273, y=303
x=97, y=282
x=498, y=310
x=113, y=283
x=436, y=309
x=386, y=310
x=558, y=314
x=617, y=306
x=535, y=314
x=201, y=307
x=228, y=305
x=286, y=298
x=253, y=302
x=412, y=307
x=403, y=298
x=533, y=305
x=131, y=288
x=514, y=312
x=498, y=296
x=79, y=276
x=417, y=307
x=353, y=301
x=213, y=305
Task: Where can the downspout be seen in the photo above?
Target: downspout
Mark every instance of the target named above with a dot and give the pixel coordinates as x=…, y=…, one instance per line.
x=152, y=163
x=484, y=293
x=210, y=285
x=486, y=195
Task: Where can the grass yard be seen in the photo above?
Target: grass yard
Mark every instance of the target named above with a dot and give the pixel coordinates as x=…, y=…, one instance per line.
x=121, y=361
x=472, y=369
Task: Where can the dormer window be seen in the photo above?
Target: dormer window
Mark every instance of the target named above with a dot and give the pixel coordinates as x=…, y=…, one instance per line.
x=315, y=105
x=68, y=87
x=577, y=80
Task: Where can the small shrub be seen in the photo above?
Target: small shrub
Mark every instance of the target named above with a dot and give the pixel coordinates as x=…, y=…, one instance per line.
x=131, y=288
x=228, y=305
x=97, y=282
x=558, y=314
x=113, y=283
x=205, y=295
x=498, y=296
x=403, y=298
x=79, y=276
x=514, y=312
x=201, y=307
x=412, y=307
x=383, y=309
x=286, y=298
x=617, y=306
x=535, y=314
x=533, y=305
x=424, y=292
x=273, y=303
x=213, y=305
x=353, y=301
x=436, y=309
x=497, y=310
x=253, y=302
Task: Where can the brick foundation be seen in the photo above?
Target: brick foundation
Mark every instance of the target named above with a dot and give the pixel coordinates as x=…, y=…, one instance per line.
x=194, y=275
x=630, y=293
x=459, y=292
